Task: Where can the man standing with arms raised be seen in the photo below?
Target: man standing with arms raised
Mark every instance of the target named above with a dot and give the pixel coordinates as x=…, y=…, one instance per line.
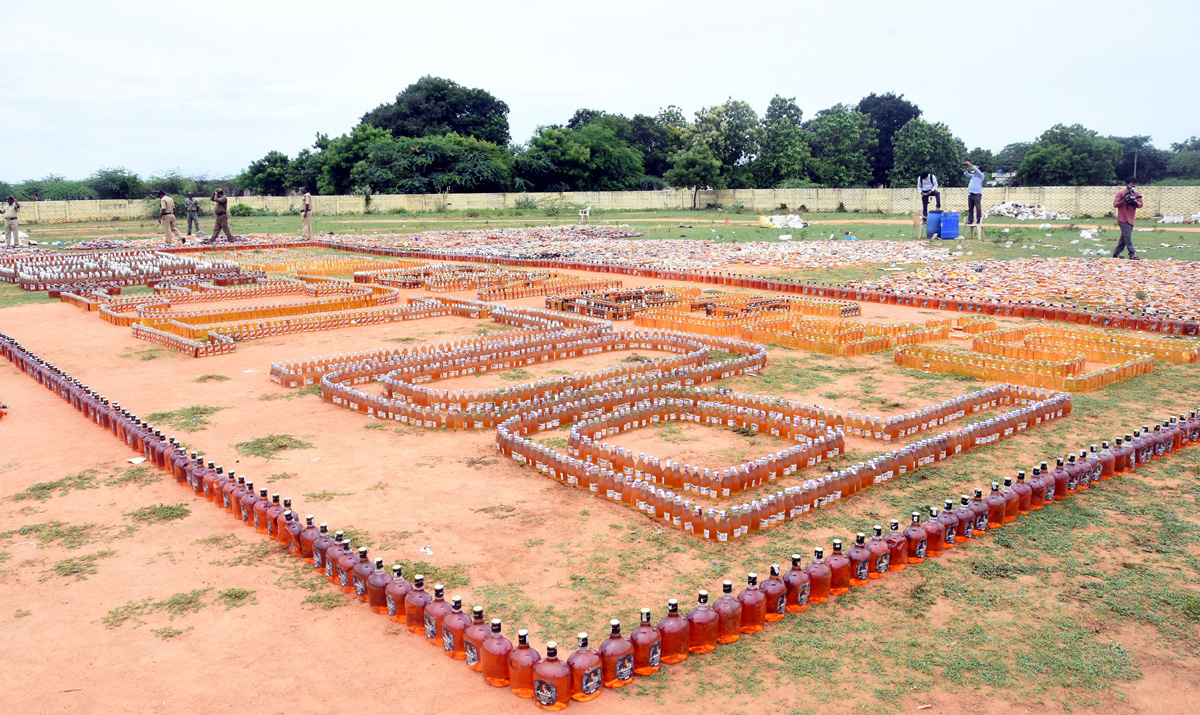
x=11, y=207
x=974, y=193
x=221, y=209
x=1127, y=202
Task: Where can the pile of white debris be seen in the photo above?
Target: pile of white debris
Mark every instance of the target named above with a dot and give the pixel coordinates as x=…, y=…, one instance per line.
x=1024, y=212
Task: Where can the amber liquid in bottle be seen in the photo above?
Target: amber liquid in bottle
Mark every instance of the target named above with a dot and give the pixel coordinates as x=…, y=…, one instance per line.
x=949, y=524
x=675, y=634
x=377, y=584
x=353, y=569
x=980, y=508
x=966, y=520
x=798, y=588
x=332, y=554
x=616, y=658
x=307, y=537
x=997, y=506
x=897, y=545
x=774, y=592
x=729, y=615
x=521, y=662
x=860, y=561
x=473, y=639
x=1012, y=501
x=585, y=671
x=289, y=534
x=935, y=534
x=435, y=612
x=753, y=606
x=918, y=539
x=395, y=593
x=453, y=627
x=414, y=606
x=647, y=646
x=839, y=570
x=819, y=577
x=321, y=547
x=703, y=625
x=493, y=655
x=879, y=556
x=552, y=680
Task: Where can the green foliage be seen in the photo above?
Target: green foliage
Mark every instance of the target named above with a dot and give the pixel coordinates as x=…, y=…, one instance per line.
x=732, y=132
x=889, y=112
x=921, y=146
x=268, y=176
x=1070, y=156
x=696, y=167
x=242, y=210
x=842, y=140
x=590, y=158
x=57, y=533
x=157, y=513
x=1010, y=157
x=139, y=475
x=784, y=147
x=118, y=183
x=339, y=157
x=326, y=600
x=267, y=447
x=651, y=183
x=1139, y=155
x=185, y=419
x=236, y=598
x=326, y=495
x=1184, y=165
x=983, y=158
x=433, y=164
x=44, y=490
x=81, y=566
x=212, y=377
x=434, y=106
x=180, y=604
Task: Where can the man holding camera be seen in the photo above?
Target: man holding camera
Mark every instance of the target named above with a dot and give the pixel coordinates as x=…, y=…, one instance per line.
x=221, y=209
x=1127, y=202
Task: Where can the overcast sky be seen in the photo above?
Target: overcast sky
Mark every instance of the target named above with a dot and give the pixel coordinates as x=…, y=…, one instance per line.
x=205, y=88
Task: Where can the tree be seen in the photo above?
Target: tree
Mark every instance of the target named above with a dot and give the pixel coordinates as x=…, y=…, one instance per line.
x=889, y=112
x=920, y=147
x=1140, y=158
x=1184, y=165
x=117, y=183
x=341, y=154
x=435, y=164
x=1010, y=157
x=435, y=106
x=657, y=138
x=306, y=169
x=1190, y=144
x=1070, y=156
x=590, y=158
x=784, y=148
x=842, y=140
x=696, y=167
x=732, y=132
x=983, y=158
x=267, y=176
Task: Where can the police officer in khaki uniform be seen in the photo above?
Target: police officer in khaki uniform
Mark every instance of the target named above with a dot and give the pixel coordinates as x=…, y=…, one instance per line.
x=306, y=211
x=11, y=207
x=166, y=216
x=192, y=207
x=221, y=209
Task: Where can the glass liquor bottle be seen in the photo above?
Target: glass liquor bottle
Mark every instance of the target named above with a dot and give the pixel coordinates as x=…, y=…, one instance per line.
x=1024, y=493
x=647, y=645
x=879, y=555
x=980, y=508
x=753, y=603
x=797, y=583
x=818, y=577
x=274, y=511
x=435, y=613
x=493, y=656
x=997, y=506
x=332, y=554
x=397, y=589
x=347, y=572
x=949, y=524
x=702, y=626
x=414, y=606
x=675, y=633
x=1012, y=501
x=860, y=560
x=585, y=671
x=918, y=539
x=774, y=592
x=839, y=570
x=935, y=532
x=897, y=545
x=307, y=538
x=321, y=547
x=453, y=626
x=246, y=502
x=260, y=511
x=289, y=533
x=551, y=680
x=473, y=639
x=729, y=615
x=521, y=663
x=616, y=658
x=1061, y=480
x=966, y=520
x=377, y=584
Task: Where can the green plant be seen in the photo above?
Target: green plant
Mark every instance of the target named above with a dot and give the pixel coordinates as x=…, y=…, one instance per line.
x=267, y=447
x=186, y=419
x=841, y=208
x=738, y=207
x=242, y=210
x=525, y=202
x=236, y=598
x=44, y=490
x=211, y=377
x=81, y=566
x=159, y=512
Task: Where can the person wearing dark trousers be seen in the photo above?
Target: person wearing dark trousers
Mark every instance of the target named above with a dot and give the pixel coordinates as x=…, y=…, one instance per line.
x=1127, y=202
x=974, y=193
x=927, y=184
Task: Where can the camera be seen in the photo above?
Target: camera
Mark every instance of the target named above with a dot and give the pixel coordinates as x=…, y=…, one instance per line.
x=1131, y=197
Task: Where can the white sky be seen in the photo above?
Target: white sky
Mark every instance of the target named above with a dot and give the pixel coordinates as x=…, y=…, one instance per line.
x=207, y=88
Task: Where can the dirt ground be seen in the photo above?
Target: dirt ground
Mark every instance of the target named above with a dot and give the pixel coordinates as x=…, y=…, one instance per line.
x=122, y=629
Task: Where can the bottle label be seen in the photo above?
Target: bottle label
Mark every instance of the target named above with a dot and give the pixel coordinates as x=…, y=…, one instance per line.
x=447, y=640
x=391, y=604
x=328, y=567
x=1049, y=495
x=256, y=521
x=360, y=586
x=225, y=499
x=722, y=536
x=271, y=532
x=882, y=562
x=948, y=538
x=244, y=514
x=625, y=667
x=981, y=520
x=472, y=653
x=343, y=577
x=1072, y=482
x=921, y=546
x=591, y=681
x=802, y=594
x=656, y=654
x=545, y=693
x=430, y=627
x=860, y=570
x=316, y=554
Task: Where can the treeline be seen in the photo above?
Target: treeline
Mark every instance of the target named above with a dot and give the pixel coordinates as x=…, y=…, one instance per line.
x=114, y=183
x=439, y=137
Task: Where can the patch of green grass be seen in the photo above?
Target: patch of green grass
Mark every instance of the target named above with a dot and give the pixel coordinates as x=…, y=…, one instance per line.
x=145, y=354
x=11, y=296
x=451, y=575
x=326, y=495
x=357, y=537
x=212, y=377
x=480, y=462
x=271, y=445
x=670, y=432
x=157, y=513
x=326, y=600
x=22, y=613
x=168, y=632
x=314, y=389
x=530, y=543
x=56, y=532
x=43, y=491
x=638, y=358
x=555, y=442
x=720, y=356
x=185, y=419
x=81, y=566
x=182, y=604
x=138, y=475
x=516, y=374
x=235, y=598
x=280, y=476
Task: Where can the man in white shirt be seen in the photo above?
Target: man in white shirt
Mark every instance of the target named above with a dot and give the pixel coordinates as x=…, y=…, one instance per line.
x=927, y=184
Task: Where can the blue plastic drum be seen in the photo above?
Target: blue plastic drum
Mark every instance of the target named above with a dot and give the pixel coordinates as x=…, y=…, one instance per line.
x=950, y=224
x=933, y=224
